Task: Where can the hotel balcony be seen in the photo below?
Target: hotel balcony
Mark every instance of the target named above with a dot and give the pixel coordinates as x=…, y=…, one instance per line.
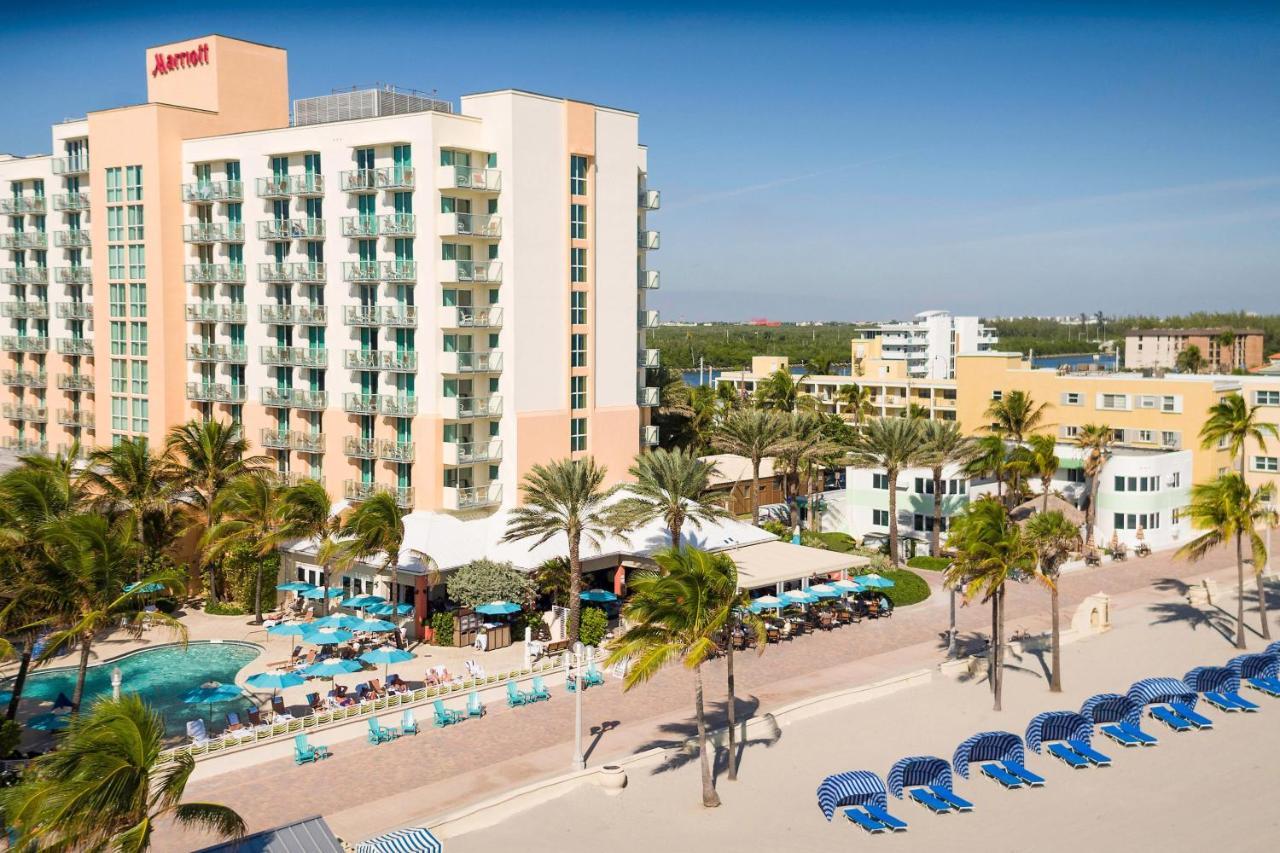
x=24, y=240
x=398, y=224
x=291, y=229
x=76, y=417
x=360, y=404
x=36, y=414
x=360, y=226
x=649, y=279
x=647, y=397
x=312, y=272
x=398, y=406
x=74, y=310
x=360, y=448
x=75, y=381
x=650, y=200
x=71, y=238
x=356, y=490
x=80, y=451
x=472, y=318
x=485, y=225
x=471, y=408
x=75, y=346
x=470, y=178
x=206, y=192
x=226, y=353
x=24, y=444
x=478, y=271
x=372, y=180
x=284, y=186
x=295, y=398
x=24, y=379
x=25, y=310
x=399, y=270
x=214, y=273
x=71, y=201
x=294, y=315
x=392, y=316
x=76, y=165
x=22, y=204
x=474, y=497
x=472, y=453
x=648, y=319
x=213, y=232
x=24, y=343
x=649, y=436
x=390, y=450
x=74, y=275
x=25, y=275
x=649, y=358
x=471, y=362
x=294, y=356
x=360, y=271
x=648, y=240
x=372, y=359
x=303, y=442
x=217, y=312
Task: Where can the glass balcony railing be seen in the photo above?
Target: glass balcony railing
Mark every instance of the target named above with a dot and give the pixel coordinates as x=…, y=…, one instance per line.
x=34, y=413
x=77, y=164
x=358, y=490
x=398, y=224
x=294, y=356
x=25, y=310
x=74, y=275
x=650, y=199
x=649, y=436
x=26, y=444
x=24, y=379
x=25, y=275
x=398, y=406
x=477, y=318
x=360, y=226
x=649, y=358
x=72, y=238
x=401, y=362
x=486, y=225
x=482, y=271
x=360, y=271
x=372, y=180
x=472, y=178
x=24, y=343
x=390, y=450
x=649, y=240
x=400, y=270
x=24, y=240
x=647, y=397
x=217, y=312
x=360, y=448
x=291, y=229
x=359, y=180
x=75, y=382
x=295, y=398
x=203, y=192
x=75, y=346
x=472, y=497
x=228, y=353
x=649, y=279
x=360, y=404
x=214, y=273
x=216, y=392
x=472, y=453
x=294, y=315
x=213, y=232
x=648, y=319
x=284, y=186
x=469, y=408
x=303, y=442
x=82, y=418
x=74, y=310
x=275, y=187
x=295, y=478
x=472, y=362
x=394, y=316
x=307, y=272
x=20, y=205
x=71, y=201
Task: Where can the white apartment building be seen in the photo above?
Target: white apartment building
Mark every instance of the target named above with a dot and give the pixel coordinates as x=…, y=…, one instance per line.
x=928, y=345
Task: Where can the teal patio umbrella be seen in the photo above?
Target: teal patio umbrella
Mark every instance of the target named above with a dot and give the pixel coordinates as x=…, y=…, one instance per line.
x=377, y=626
x=211, y=692
x=337, y=620
x=321, y=592
x=288, y=629
x=874, y=581
x=386, y=657
x=598, y=595
x=498, y=608
x=294, y=586
x=325, y=636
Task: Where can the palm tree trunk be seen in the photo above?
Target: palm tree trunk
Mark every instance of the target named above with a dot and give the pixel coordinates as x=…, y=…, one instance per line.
x=212, y=565
x=77, y=694
x=257, y=593
x=893, y=517
x=935, y=536
x=1055, y=678
x=1091, y=517
x=999, y=654
x=1044, y=506
x=674, y=530
x=20, y=679
x=1240, y=640
x=575, y=589
x=710, y=799
x=729, y=708
x=755, y=490
x=1262, y=602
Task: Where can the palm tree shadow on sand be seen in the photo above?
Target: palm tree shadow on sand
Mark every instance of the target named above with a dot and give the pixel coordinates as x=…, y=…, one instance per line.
x=1217, y=619
x=679, y=734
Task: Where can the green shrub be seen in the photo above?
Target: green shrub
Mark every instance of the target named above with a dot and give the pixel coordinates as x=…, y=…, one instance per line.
x=908, y=587
x=837, y=541
x=777, y=528
x=532, y=619
x=486, y=580
x=10, y=735
x=930, y=564
x=240, y=569
x=442, y=627
x=592, y=626
x=224, y=608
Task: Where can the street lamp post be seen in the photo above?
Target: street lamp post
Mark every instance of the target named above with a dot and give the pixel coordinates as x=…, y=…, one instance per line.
x=579, y=761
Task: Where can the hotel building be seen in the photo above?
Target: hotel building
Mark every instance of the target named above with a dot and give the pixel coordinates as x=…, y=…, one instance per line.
x=927, y=346
x=388, y=293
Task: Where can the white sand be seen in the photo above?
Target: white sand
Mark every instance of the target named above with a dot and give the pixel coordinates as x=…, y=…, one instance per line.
x=1201, y=791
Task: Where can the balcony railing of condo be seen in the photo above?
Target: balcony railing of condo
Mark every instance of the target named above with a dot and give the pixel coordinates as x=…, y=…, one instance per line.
x=204, y=192
x=472, y=453
x=649, y=199
x=649, y=240
x=295, y=398
x=217, y=312
x=398, y=224
x=74, y=310
x=26, y=444
x=468, y=317
x=30, y=309
x=216, y=392
x=307, y=272
x=391, y=450
x=291, y=229
x=471, y=178
x=71, y=238
x=484, y=225
x=206, y=351
x=71, y=201
x=76, y=164
x=75, y=381
x=25, y=275
x=649, y=279
x=360, y=448
x=649, y=358
x=213, y=232
x=74, y=275
x=214, y=273
x=24, y=378
x=361, y=271
x=481, y=271
x=472, y=497
x=647, y=397
x=303, y=442
x=294, y=314
x=20, y=205
x=473, y=362
x=360, y=226
x=396, y=316
x=75, y=346
x=24, y=240
x=76, y=417
x=468, y=408
x=294, y=356
x=649, y=436
x=371, y=359
x=400, y=270
x=31, y=412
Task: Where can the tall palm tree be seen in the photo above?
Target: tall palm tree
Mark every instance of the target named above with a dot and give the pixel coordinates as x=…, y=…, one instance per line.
x=105, y=788
x=1095, y=440
x=943, y=445
x=1015, y=415
x=308, y=514
x=990, y=551
x=989, y=458
x=128, y=479
x=676, y=615
x=1227, y=508
x=780, y=392
x=566, y=496
x=734, y=606
x=206, y=457
x=249, y=518
x=854, y=400
x=756, y=435
x=1041, y=461
x=1232, y=423
x=672, y=485
x=891, y=444
x=1054, y=538
x=373, y=530
x=802, y=457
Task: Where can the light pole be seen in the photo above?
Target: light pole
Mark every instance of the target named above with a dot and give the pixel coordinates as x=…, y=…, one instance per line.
x=579, y=761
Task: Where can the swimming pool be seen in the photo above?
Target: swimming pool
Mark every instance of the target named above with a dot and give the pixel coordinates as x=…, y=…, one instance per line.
x=161, y=676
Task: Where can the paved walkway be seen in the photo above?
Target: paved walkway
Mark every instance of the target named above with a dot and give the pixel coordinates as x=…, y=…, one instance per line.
x=363, y=789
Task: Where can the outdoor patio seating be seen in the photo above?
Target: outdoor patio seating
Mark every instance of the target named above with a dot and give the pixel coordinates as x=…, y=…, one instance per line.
x=474, y=706
x=304, y=752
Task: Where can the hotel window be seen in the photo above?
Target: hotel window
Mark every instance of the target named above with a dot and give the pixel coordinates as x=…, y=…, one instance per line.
x=1147, y=401
x=137, y=300
x=924, y=523
x=138, y=338
x=577, y=350
x=119, y=375
x=1071, y=398
x=577, y=434
x=1075, y=475
x=141, y=415
x=879, y=518
x=491, y=160
x=1169, y=403
x=1069, y=431
x=1266, y=398
x=1114, y=401
x=577, y=392
x=1146, y=435
x=137, y=262
x=115, y=300
x=1175, y=479
x=1266, y=463
x=133, y=183
x=578, y=221
x=578, y=265
x=119, y=413
x=997, y=395
x=139, y=377
x=119, y=337
x=578, y=307
x=577, y=175
x=135, y=222
x=879, y=481
x=115, y=224
x=113, y=185
x=1170, y=439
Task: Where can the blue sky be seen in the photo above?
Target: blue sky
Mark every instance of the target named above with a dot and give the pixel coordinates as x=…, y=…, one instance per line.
x=827, y=162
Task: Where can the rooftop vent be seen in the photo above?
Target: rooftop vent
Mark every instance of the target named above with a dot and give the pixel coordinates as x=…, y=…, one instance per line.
x=379, y=99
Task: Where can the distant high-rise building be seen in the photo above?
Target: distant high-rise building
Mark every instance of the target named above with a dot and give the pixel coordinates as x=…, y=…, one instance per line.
x=927, y=345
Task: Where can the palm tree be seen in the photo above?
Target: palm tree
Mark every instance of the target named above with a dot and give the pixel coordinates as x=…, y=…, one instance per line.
x=734, y=606
x=307, y=513
x=1231, y=424
x=1015, y=415
x=990, y=551
x=989, y=458
x=105, y=788
x=801, y=458
x=756, y=435
x=1225, y=508
x=854, y=400
x=672, y=485
x=780, y=392
x=206, y=457
x=128, y=479
x=567, y=496
x=676, y=614
x=1042, y=461
x=249, y=513
x=943, y=445
x=1095, y=440
x=892, y=444
x=1054, y=538
x=374, y=529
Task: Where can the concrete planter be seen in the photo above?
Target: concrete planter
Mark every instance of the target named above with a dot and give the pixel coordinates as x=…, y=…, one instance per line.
x=612, y=779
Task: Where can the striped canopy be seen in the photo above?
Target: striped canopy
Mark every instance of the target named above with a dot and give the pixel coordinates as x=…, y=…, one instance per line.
x=1111, y=708
x=988, y=746
x=1205, y=678
x=1154, y=691
x=416, y=840
x=1274, y=648
x=850, y=789
x=1058, y=725
x=1252, y=666
x=918, y=770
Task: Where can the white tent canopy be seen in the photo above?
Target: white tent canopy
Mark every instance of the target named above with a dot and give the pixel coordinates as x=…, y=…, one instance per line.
x=766, y=564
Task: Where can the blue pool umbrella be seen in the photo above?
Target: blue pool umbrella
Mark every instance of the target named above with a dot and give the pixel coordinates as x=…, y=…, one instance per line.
x=49, y=722
x=374, y=625
x=274, y=680
x=331, y=667
x=874, y=580
x=288, y=629
x=598, y=595
x=498, y=608
x=766, y=602
x=321, y=592
x=388, y=609
x=210, y=692
x=386, y=656
x=337, y=620
x=143, y=588
x=359, y=602
x=799, y=596
x=416, y=840
x=848, y=586
x=294, y=586
x=325, y=636
x=824, y=590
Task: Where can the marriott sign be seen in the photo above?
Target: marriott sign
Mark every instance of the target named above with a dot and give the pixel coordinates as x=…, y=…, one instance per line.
x=166, y=62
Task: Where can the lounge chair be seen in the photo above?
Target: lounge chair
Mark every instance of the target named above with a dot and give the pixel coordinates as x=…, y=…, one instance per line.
x=884, y=817
x=446, y=716
x=1269, y=686
x=594, y=677
x=197, y=732
x=304, y=751
x=948, y=796
x=864, y=820
x=375, y=687
x=995, y=771
x=1189, y=714
x=1067, y=756
x=514, y=696
x=925, y=797
x=1088, y=753
x=1133, y=730
x=408, y=723
x=313, y=702
x=1239, y=701
x=1222, y=703
x=1119, y=735
x=380, y=734
x=395, y=685
x=1024, y=774
x=277, y=707
x=1169, y=718
x=539, y=691
x=254, y=716
x=233, y=722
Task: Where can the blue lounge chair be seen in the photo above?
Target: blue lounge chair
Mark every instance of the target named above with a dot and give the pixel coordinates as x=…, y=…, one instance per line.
x=884, y=817
x=958, y=803
x=1067, y=756
x=593, y=677
x=1024, y=774
x=1240, y=702
x=539, y=691
x=233, y=721
x=1134, y=730
x=380, y=734
x=446, y=716
x=1170, y=719
x=474, y=707
x=304, y=752
x=925, y=797
x=1189, y=714
x=1269, y=686
x=408, y=723
x=1088, y=753
x=514, y=696
x=1221, y=702
x=994, y=771
x=1119, y=735
x=864, y=820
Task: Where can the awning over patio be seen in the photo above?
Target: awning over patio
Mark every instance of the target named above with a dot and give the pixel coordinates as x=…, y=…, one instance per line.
x=767, y=564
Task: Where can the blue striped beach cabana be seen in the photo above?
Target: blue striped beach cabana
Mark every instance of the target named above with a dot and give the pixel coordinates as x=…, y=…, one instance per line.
x=415, y=840
x=1158, y=691
x=918, y=771
x=1205, y=679
x=1111, y=708
x=988, y=746
x=1255, y=665
x=850, y=789
x=1058, y=725
x=1274, y=649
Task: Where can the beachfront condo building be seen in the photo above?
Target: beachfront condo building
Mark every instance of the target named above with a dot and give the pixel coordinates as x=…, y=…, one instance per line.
x=389, y=291
x=926, y=346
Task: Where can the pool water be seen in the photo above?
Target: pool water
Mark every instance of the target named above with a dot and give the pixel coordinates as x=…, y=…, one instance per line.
x=161, y=676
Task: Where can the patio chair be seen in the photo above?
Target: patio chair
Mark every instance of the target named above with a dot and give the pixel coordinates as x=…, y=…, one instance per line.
x=408, y=723
x=515, y=698
x=304, y=752
x=362, y=692
x=1189, y=714
x=1067, y=756
x=1024, y=774
x=375, y=687
x=884, y=817
x=293, y=658
x=254, y=716
x=864, y=820
x=539, y=691
x=446, y=716
x=772, y=634
x=197, y=732
x=594, y=677
x=995, y=771
x=1169, y=718
x=233, y=722
x=474, y=706
x=395, y=685
x=313, y=701
x=950, y=797
x=926, y=798
x=1088, y=753
x=277, y=707
x=1269, y=686
x=844, y=616
x=379, y=733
